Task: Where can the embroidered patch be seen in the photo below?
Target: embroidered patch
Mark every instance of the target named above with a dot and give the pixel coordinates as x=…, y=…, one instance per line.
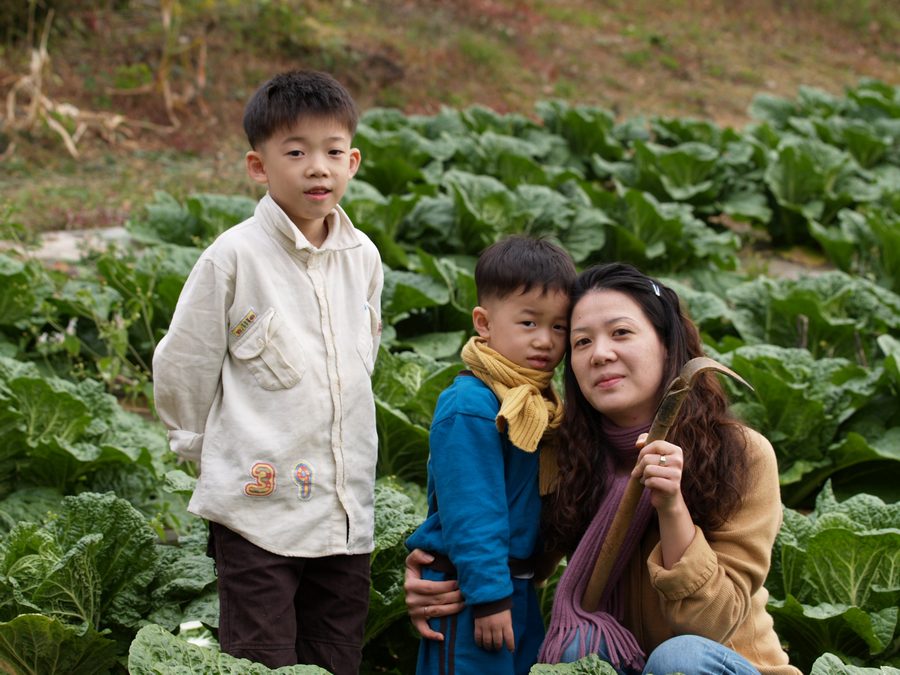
x=303, y=477
x=264, y=473
x=244, y=323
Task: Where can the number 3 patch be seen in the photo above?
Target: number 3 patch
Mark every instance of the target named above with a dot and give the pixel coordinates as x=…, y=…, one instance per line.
x=264, y=485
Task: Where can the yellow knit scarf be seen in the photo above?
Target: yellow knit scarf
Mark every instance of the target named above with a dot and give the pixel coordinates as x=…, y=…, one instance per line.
x=529, y=405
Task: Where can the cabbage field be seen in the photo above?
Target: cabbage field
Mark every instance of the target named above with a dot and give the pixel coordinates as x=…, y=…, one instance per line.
x=103, y=570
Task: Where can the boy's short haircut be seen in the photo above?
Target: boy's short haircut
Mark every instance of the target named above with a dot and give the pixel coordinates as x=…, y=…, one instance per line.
x=519, y=263
x=285, y=98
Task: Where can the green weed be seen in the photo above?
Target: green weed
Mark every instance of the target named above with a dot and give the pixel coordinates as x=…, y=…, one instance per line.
x=637, y=57
x=481, y=51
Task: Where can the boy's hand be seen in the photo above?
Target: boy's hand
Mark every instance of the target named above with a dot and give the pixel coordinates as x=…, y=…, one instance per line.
x=494, y=631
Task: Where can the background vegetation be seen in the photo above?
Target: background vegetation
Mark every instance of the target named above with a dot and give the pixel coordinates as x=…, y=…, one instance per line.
x=620, y=130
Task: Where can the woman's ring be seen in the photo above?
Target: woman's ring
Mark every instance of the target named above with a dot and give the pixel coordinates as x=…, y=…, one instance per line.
x=662, y=460
x=425, y=610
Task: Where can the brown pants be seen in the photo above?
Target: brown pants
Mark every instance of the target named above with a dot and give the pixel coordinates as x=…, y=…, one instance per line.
x=281, y=611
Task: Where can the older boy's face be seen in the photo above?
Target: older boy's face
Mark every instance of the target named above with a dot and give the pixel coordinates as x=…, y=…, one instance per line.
x=529, y=328
x=306, y=167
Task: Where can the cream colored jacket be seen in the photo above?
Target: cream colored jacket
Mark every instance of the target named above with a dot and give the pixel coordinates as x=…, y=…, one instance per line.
x=264, y=377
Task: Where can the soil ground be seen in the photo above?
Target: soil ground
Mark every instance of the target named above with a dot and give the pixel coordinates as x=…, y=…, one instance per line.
x=686, y=58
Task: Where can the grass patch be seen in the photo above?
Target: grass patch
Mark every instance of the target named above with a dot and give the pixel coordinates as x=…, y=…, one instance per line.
x=669, y=62
x=566, y=88
x=391, y=97
x=576, y=15
x=637, y=57
x=750, y=77
x=481, y=52
x=102, y=192
x=861, y=15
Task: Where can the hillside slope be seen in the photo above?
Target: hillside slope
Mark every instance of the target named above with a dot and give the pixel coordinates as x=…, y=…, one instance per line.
x=160, y=95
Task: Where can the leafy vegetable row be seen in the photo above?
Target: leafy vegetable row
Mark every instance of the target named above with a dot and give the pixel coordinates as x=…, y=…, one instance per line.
x=680, y=198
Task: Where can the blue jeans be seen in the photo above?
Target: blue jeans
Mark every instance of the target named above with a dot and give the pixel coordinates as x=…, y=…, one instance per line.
x=695, y=655
x=688, y=654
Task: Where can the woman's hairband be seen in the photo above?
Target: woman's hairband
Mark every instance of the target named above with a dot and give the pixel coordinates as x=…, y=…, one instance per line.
x=655, y=288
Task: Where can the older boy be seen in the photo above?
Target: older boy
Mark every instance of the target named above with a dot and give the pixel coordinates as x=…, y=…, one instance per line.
x=484, y=507
x=264, y=378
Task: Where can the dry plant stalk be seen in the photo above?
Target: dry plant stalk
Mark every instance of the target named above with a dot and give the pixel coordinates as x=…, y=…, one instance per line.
x=171, y=48
x=112, y=127
x=192, y=91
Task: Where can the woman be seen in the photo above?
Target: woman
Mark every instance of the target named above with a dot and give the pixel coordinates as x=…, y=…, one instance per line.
x=686, y=593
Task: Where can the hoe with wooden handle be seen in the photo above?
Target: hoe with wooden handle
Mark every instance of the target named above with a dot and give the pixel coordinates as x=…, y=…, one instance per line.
x=665, y=418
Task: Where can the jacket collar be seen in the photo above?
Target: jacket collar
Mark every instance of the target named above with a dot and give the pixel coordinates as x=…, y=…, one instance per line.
x=341, y=233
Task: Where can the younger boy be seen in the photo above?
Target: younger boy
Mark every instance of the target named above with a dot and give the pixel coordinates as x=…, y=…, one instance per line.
x=264, y=378
x=483, y=502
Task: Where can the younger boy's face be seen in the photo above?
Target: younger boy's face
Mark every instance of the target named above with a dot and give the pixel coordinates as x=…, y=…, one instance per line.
x=529, y=328
x=307, y=167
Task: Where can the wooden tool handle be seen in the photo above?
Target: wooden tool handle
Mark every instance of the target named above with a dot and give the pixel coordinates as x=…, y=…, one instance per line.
x=664, y=419
x=611, y=546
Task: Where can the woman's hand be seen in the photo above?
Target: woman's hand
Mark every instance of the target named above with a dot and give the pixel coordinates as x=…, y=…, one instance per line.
x=428, y=599
x=659, y=468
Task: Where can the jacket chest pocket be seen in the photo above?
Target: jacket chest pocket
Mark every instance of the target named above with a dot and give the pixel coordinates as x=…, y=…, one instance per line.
x=268, y=353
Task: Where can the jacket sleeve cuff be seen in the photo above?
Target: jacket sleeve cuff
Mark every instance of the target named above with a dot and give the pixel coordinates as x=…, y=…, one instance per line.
x=186, y=444
x=689, y=574
x=494, y=607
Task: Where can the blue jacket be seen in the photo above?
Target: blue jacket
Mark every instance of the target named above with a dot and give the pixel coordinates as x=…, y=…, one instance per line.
x=483, y=501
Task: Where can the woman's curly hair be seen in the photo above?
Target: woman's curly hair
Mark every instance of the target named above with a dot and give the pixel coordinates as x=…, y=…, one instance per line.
x=715, y=459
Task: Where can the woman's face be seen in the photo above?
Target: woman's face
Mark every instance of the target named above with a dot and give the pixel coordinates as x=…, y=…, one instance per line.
x=617, y=357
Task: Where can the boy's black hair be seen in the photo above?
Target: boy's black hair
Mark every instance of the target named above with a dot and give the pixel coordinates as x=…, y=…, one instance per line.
x=519, y=263
x=278, y=104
